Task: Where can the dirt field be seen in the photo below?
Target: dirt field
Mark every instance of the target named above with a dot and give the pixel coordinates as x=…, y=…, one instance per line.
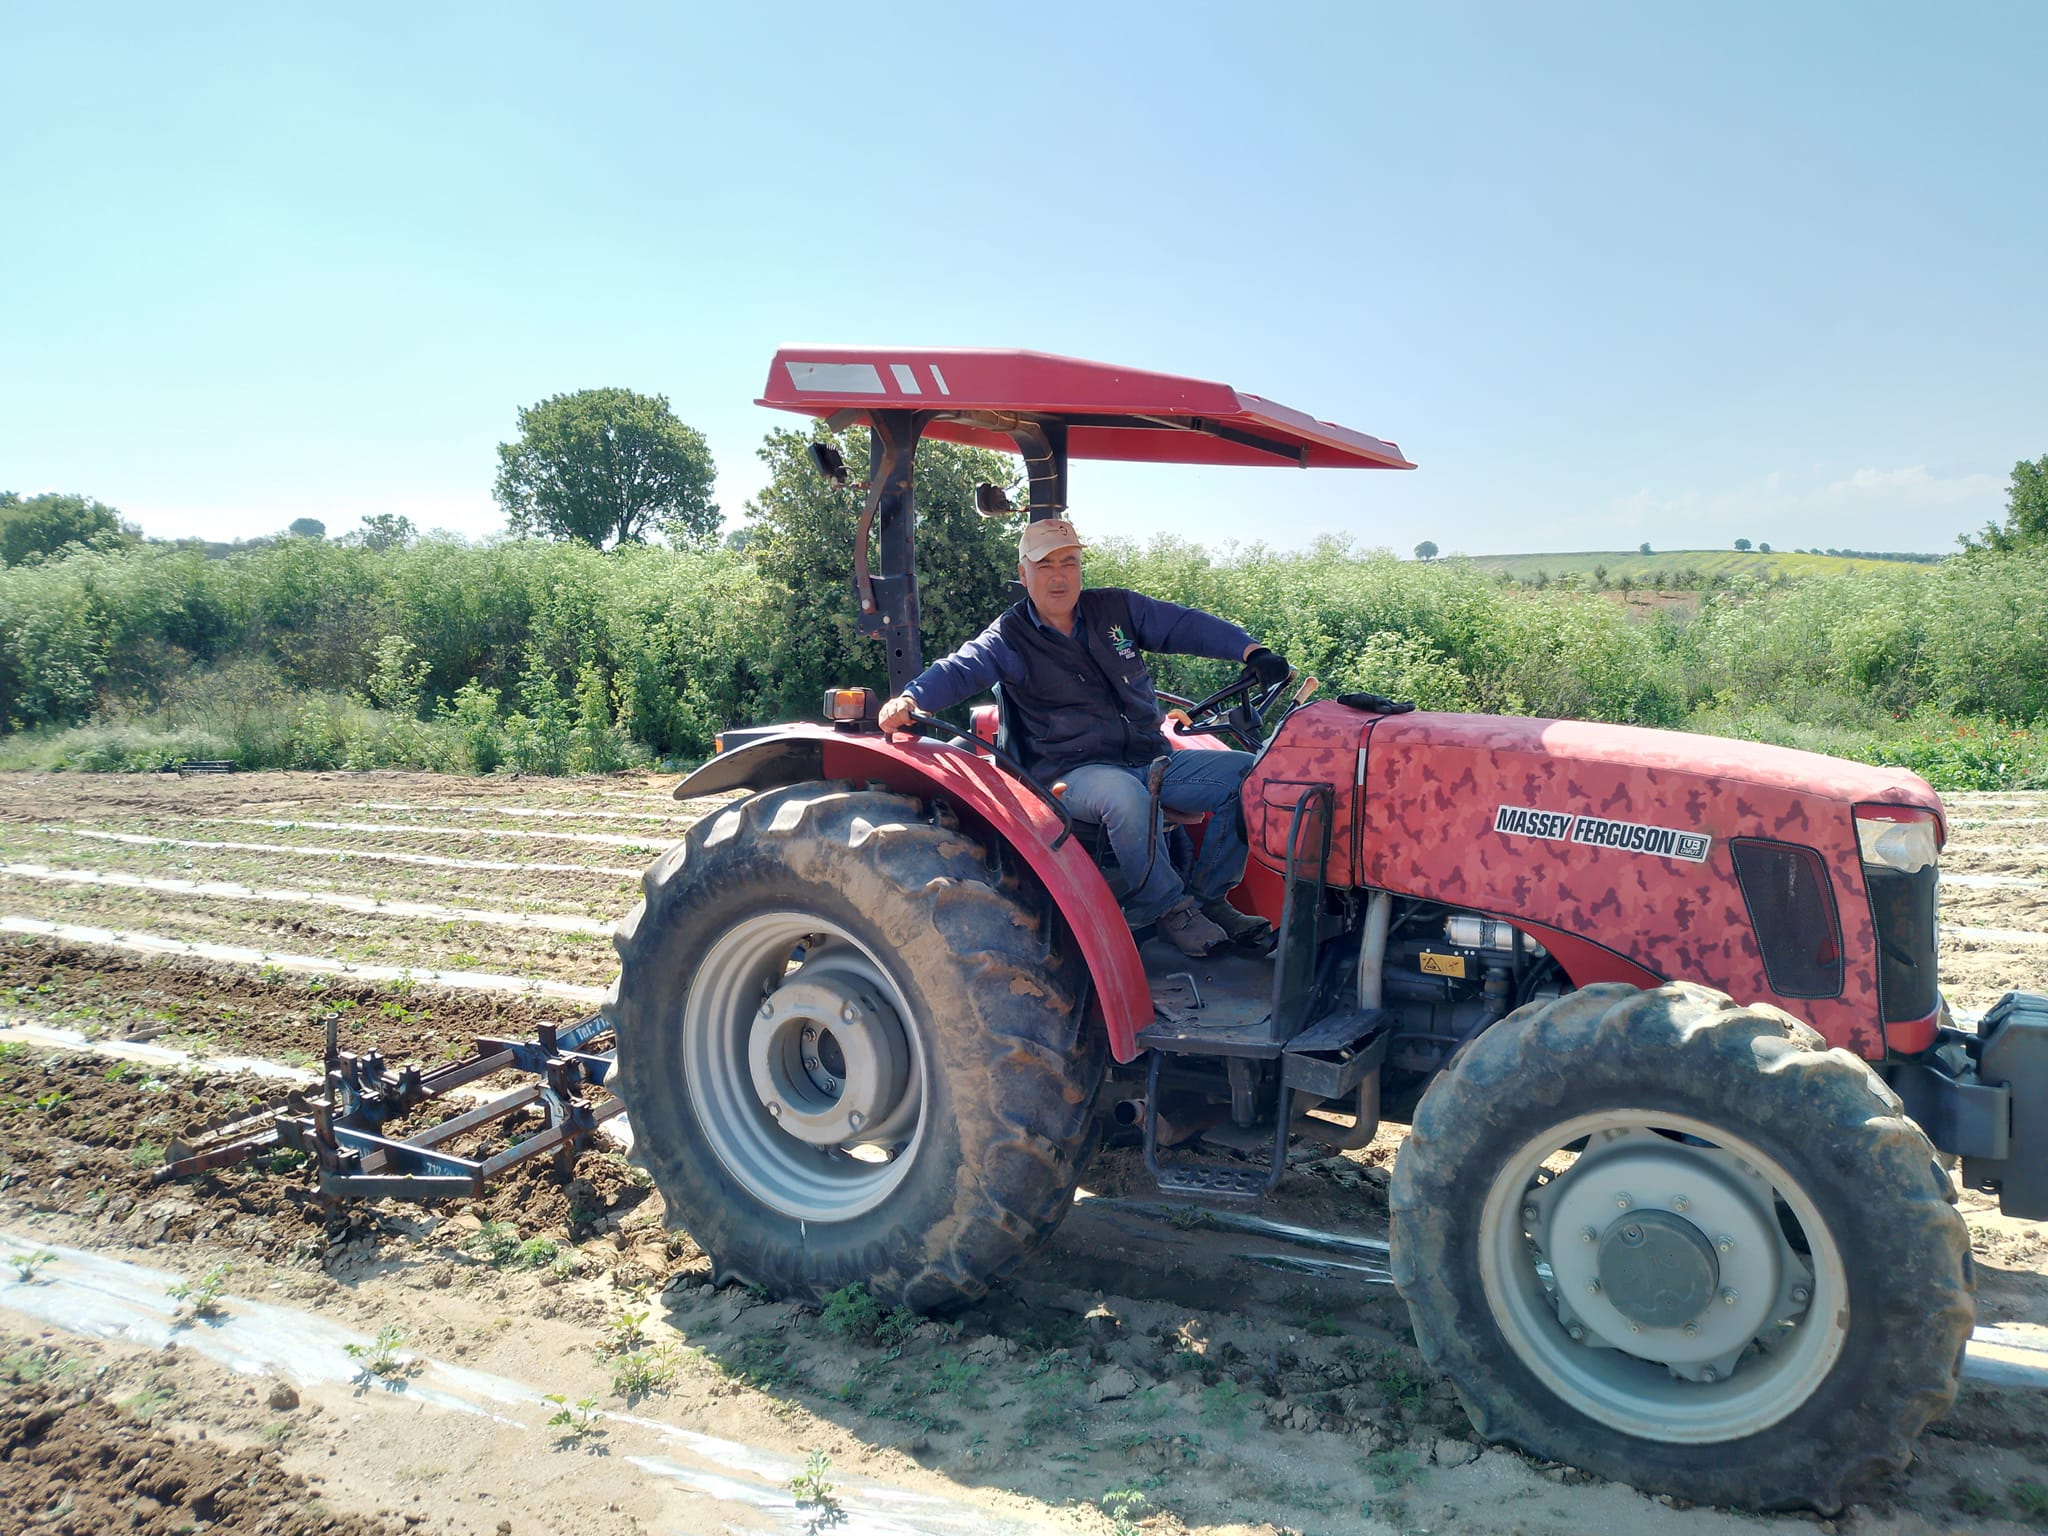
x=553, y=1359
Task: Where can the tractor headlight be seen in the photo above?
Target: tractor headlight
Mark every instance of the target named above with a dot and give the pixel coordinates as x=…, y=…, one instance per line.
x=852, y=706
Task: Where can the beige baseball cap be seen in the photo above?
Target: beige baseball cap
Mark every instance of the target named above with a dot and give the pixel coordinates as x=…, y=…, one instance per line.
x=1046, y=537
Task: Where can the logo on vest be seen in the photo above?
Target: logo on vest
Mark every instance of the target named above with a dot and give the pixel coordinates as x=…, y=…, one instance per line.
x=1122, y=643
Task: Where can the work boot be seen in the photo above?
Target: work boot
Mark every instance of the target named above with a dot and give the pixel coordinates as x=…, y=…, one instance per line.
x=1183, y=926
x=1238, y=927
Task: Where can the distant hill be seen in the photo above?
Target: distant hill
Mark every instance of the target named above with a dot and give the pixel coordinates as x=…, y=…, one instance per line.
x=1664, y=565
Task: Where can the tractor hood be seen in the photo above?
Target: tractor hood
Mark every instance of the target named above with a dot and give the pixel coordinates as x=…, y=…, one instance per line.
x=1618, y=835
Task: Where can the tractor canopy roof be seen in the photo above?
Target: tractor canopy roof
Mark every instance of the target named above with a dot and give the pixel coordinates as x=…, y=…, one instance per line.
x=978, y=396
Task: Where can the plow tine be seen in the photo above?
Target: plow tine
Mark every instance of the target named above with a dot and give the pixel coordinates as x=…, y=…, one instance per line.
x=344, y=1133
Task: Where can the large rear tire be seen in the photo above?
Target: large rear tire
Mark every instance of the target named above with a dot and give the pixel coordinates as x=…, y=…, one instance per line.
x=848, y=1054
x=1680, y=1243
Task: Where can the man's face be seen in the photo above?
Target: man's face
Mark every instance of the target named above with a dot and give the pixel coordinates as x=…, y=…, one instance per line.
x=1054, y=583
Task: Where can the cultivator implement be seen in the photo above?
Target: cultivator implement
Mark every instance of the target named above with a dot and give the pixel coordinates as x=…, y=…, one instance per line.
x=344, y=1134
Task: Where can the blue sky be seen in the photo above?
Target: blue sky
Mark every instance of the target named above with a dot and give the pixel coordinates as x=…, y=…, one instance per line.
x=1608, y=273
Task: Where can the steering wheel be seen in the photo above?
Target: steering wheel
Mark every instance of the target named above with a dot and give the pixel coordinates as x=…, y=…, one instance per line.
x=1236, y=711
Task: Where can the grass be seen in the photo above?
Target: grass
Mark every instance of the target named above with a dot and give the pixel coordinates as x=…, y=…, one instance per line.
x=149, y=1404
x=24, y=1367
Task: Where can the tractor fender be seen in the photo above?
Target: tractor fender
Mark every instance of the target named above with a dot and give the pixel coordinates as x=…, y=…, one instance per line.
x=989, y=802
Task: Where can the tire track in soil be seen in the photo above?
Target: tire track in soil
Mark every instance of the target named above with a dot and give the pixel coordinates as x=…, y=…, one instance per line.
x=362, y=906
x=650, y=845
x=388, y=856
x=200, y=1006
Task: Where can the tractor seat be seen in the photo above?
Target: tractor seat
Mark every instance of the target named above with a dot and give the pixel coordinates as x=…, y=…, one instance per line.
x=987, y=722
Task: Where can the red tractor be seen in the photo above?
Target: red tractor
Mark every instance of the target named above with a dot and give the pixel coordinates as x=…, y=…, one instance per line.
x=1660, y=1010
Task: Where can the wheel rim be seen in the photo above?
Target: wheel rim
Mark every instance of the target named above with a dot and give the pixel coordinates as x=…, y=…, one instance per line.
x=804, y=1066
x=1662, y=1276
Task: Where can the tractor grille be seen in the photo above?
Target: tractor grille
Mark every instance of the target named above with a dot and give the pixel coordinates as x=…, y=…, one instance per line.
x=1902, y=905
x=1792, y=908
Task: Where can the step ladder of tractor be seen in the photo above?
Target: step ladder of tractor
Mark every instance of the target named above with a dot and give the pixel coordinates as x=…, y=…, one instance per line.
x=1328, y=1059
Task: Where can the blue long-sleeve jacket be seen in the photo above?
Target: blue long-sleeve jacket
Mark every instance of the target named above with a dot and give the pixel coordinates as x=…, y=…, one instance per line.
x=1085, y=697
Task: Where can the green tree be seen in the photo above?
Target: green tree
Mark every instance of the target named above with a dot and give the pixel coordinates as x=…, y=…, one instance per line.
x=42, y=525
x=802, y=541
x=1643, y=548
x=2026, y=511
x=307, y=528
x=383, y=530
x=1742, y=544
x=1763, y=548
x=1426, y=550
x=605, y=467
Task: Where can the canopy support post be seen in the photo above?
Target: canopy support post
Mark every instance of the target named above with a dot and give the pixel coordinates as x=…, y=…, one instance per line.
x=887, y=600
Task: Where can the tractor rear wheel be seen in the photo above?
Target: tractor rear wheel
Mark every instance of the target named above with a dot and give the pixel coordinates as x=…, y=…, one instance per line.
x=1680, y=1243
x=847, y=1053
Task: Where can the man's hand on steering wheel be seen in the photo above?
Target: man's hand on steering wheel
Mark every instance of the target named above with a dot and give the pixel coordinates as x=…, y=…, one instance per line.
x=1268, y=666
x=896, y=713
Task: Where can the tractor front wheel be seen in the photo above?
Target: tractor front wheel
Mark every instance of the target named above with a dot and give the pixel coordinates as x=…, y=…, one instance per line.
x=847, y=1053
x=1680, y=1243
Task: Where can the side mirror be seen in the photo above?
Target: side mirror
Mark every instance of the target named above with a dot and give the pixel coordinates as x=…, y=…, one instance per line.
x=990, y=501
x=831, y=463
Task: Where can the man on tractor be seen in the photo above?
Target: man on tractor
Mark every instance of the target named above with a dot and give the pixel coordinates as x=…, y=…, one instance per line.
x=1081, y=709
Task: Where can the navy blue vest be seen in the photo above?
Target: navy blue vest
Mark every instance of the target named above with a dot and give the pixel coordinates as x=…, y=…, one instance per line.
x=1084, y=699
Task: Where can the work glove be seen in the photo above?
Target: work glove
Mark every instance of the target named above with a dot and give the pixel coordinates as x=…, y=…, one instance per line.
x=1269, y=667
x=1374, y=704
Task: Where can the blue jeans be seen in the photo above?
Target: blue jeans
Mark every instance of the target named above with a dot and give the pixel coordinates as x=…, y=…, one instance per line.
x=1195, y=782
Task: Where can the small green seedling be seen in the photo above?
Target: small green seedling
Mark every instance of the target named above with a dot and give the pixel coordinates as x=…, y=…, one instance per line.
x=1123, y=1506
x=624, y=1334
x=26, y=1264
x=1226, y=1403
x=1393, y=1467
x=201, y=1297
x=380, y=1356
x=812, y=1486
x=2031, y=1500
x=853, y=1313
x=495, y=1241
x=643, y=1371
x=575, y=1420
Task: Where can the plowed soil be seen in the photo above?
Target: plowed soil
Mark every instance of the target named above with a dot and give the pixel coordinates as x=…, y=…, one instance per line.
x=1165, y=1375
